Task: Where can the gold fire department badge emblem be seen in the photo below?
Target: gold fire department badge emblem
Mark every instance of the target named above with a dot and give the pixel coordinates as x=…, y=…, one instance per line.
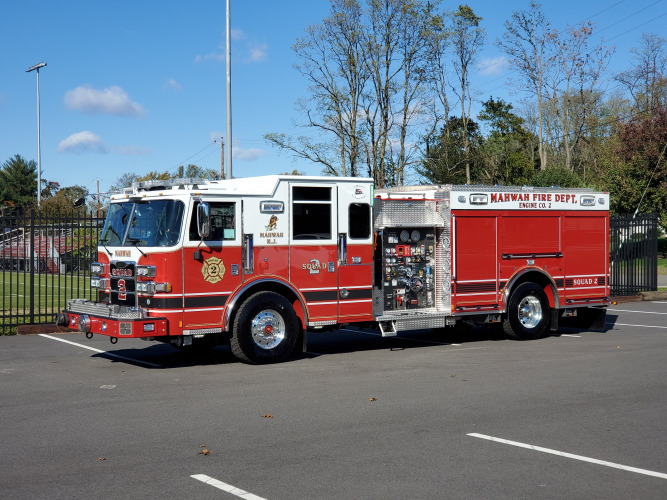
x=213, y=270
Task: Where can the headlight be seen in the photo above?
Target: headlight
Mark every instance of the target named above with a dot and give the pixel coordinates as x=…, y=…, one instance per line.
x=146, y=271
x=98, y=283
x=151, y=287
x=96, y=268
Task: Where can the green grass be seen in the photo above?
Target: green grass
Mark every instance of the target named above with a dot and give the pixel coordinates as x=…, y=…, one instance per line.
x=662, y=266
x=51, y=293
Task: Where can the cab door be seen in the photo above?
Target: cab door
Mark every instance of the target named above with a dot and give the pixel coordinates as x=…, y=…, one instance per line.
x=212, y=267
x=314, y=248
x=355, y=253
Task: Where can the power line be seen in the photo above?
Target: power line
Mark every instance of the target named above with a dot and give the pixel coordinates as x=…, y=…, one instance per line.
x=629, y=16
x=639, y=26
x=190, y=157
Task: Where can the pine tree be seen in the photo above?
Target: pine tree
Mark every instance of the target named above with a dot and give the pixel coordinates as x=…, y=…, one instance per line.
x=18, y=182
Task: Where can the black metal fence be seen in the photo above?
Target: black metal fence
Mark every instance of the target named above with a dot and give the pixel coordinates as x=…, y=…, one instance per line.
x=44, y=261
x=633, y=253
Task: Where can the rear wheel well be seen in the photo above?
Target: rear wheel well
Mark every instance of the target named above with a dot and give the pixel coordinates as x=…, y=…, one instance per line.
x=540, y=279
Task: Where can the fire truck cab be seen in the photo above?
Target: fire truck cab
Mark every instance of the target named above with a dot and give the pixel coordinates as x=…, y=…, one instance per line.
x=256, y=262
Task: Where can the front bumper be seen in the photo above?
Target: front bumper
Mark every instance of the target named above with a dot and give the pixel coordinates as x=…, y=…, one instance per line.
x=111, y=320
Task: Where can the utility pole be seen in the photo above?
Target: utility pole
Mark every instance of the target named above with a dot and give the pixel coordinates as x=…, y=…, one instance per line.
x=39, y=152
x=222, y=157
x=98, y=198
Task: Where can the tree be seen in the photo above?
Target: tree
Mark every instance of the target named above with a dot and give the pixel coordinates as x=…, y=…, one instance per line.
x=572, y=85
x=368, y=75
x=467, y=38
x=647, y=80
x=125, y=180
x=18, y=182
x=508, y=150
x=194, y=171
x=637, y=179
x=526, y=42
x=445, y=160
x=332, y=61
x=62, y=202
x=555, y=175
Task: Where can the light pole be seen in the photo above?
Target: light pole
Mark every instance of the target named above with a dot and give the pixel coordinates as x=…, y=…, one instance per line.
x=228, y=61
x=39, y=152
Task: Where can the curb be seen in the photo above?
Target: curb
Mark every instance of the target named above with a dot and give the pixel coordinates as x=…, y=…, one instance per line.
x=642, y=296
x=45, y=328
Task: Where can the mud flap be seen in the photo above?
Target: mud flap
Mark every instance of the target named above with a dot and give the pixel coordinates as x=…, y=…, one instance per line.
x=554, y=320
x=302, y=340
x=587, y=318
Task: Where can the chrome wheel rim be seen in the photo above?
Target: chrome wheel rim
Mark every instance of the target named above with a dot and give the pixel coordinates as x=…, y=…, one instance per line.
x=268, y=329
x=530, y=311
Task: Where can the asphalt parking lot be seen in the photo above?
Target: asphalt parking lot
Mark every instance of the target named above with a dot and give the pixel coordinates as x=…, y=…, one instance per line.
x=464, y=414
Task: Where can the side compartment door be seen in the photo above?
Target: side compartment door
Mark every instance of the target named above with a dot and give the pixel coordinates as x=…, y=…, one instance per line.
x=586, y=255
x=474, y=262
x=212, y=269
x=313, y=248
x=355, y=254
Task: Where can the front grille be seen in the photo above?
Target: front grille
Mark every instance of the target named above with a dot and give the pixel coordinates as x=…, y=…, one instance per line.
x=122, y=283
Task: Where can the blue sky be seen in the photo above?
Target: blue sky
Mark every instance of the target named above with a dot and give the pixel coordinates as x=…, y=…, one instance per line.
x=135, y=86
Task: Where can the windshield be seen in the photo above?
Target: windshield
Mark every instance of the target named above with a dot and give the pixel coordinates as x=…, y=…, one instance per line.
x=152, y=223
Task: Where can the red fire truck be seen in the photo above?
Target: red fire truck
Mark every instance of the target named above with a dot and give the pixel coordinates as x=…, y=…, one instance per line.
x=257, y=262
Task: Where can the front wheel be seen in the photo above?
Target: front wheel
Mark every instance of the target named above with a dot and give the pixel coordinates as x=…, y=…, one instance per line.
x=528, y=313
x=265, y=329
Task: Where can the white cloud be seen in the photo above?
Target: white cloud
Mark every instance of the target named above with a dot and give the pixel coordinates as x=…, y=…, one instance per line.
x=491, y=66
x=237, y=34
x=258, y=51
x=174, y=85
x=246, y=154
x=82, y=142
x=89, y=142
x=254, y=51
x=110, y=101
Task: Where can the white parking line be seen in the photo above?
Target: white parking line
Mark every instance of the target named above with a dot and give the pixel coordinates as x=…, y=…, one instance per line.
x=106, y=353
x=225, y=487
x=631, y=311
x=641, y=326
x=570, y=455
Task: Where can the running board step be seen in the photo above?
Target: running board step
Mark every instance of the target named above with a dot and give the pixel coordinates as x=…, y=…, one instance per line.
x=388, y=328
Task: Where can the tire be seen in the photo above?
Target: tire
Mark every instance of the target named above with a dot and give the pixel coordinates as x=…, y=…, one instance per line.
x=528, y=313
x=265, y=329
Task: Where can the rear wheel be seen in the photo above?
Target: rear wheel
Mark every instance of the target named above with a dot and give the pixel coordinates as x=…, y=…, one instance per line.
x=265, y=329
x=528, y=313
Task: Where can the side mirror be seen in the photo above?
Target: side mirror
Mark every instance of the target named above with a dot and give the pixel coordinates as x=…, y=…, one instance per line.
x=203, y=220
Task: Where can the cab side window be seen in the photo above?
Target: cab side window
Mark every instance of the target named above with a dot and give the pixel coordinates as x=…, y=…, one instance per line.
x=359, y=221
x=223, y=222
x=311, y=213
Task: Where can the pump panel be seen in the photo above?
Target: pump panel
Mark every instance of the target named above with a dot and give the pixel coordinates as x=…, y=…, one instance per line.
x=408, y=267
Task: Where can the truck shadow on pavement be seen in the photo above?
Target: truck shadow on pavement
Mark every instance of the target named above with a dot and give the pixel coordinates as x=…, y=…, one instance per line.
x=347, y=340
